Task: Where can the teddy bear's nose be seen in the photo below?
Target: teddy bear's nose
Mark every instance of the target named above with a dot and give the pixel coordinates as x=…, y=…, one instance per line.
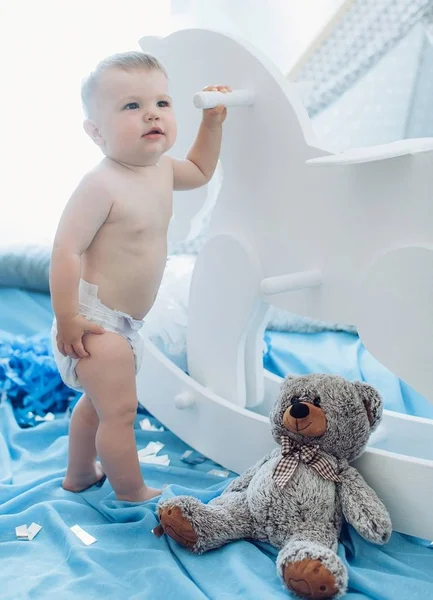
x=299, y=410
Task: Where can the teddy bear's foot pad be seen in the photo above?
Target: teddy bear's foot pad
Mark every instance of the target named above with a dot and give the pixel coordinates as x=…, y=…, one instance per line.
x=177, y=526
x=310, y=579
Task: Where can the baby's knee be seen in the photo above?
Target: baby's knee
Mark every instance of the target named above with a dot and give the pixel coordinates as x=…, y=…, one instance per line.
x=122, y=415
x=85, y=411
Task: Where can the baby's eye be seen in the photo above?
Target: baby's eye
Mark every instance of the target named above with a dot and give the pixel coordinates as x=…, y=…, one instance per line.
x=163, y=103
x=131, y=106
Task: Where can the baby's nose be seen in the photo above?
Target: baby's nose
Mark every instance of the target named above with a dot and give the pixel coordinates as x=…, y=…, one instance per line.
x=152, y=115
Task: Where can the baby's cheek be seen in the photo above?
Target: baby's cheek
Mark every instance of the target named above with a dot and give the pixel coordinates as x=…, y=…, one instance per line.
x=174, y=126
x=172, y=133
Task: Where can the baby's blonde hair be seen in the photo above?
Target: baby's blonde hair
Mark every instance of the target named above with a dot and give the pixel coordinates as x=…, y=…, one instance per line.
x=123, y=60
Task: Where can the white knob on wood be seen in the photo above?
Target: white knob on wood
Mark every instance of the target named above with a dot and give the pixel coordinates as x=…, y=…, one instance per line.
x=184, y=400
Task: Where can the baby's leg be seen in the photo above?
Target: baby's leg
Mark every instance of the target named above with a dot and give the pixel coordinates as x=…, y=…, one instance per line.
x=83, y=470
x=108, y=376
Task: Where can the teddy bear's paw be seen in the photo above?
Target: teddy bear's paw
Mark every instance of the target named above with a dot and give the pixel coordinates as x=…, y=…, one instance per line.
x=180, y=518
x=177, y=526
x=310, y=579
x=311, y=570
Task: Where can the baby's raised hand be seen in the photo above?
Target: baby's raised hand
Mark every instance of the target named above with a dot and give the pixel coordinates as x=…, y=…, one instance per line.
x=217, y=115
x=70, y=331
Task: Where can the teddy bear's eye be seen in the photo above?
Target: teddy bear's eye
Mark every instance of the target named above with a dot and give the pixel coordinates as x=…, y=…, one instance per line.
x=316, y=401
x=294, y=400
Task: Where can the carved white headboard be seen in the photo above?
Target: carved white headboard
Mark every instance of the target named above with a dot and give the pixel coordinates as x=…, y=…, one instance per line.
x=362, y=227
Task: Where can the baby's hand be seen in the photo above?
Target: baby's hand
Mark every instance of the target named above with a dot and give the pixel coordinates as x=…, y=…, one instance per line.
x=217, y=115
x=70, y=331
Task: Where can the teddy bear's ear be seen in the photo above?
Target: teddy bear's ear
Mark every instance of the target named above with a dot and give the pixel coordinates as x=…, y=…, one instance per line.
x=372, y=402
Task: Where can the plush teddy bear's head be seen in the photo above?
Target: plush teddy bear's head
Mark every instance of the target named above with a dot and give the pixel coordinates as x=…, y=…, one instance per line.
x=329, y=411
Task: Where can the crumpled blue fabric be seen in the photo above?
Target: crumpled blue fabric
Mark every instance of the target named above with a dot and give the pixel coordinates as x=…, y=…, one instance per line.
x=128, y=561
x=30, y=380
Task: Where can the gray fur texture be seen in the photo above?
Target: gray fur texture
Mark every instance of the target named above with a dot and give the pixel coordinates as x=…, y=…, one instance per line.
x=304, y=518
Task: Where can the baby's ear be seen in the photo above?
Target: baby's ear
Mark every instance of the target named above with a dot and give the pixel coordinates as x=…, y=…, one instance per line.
x=372, y=402
x=93, y=132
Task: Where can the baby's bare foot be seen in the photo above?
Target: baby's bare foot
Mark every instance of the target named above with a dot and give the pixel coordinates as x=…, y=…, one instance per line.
x=79, y=483
x=151, y=493
x=146, y=493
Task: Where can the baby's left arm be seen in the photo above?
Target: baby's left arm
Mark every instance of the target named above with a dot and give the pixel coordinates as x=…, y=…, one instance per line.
x=199, y=166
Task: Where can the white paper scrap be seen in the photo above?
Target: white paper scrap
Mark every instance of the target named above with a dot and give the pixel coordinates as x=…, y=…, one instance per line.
x=163, y=459
x=21, y=532
x=48, y=417
x=146, y=425
x=85, y=537
x=33, y=530
x=151, y=448
x=219, y=473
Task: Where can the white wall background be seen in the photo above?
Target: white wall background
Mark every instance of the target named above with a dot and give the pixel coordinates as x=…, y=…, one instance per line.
x=280, y=28
x=48, y=46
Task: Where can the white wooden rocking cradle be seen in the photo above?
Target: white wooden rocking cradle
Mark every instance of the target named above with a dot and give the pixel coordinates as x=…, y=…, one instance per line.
x=351, y=241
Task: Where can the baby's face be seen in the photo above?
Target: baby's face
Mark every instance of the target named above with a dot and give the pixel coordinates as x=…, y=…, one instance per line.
x=134, y=116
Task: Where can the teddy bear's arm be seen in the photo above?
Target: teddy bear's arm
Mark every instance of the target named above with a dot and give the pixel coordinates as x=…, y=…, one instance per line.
x=243, y=481
x=362, y=507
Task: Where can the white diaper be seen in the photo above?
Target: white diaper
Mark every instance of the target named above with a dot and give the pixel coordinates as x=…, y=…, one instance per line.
x=92, y=308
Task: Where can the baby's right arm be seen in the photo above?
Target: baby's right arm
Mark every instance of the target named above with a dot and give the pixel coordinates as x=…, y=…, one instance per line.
x=86, y=211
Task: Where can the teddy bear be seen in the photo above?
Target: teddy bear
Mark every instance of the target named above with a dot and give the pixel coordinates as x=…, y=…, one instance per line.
x=297, y=496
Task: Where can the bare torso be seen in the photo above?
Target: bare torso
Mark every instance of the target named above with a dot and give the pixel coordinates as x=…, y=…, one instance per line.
x=127, y=257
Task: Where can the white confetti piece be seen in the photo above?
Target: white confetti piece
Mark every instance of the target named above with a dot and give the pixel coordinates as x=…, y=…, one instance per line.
x=21, y=532
x=163, y=459
x=219, y=473
x=48, y=417
x=33, y=530
x=151, y=448
x=27, y=533
x=85, y=537
x=146, y=425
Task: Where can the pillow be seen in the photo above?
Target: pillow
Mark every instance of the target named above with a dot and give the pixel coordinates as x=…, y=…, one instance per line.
x=25, y=266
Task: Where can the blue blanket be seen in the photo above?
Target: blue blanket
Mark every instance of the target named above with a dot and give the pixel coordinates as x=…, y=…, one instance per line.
x=342, y=354
x=127, y=561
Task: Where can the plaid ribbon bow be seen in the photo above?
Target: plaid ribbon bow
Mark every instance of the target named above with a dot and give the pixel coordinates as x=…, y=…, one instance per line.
x=293, y=453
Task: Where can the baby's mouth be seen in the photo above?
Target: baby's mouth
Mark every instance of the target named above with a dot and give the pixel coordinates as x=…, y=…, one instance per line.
x=154, y=131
